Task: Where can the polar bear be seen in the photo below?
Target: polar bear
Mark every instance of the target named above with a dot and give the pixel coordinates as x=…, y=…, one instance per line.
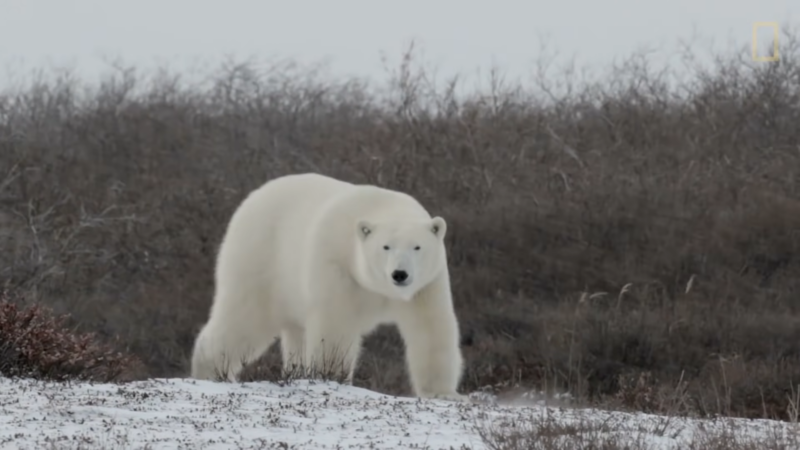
x=320, y=263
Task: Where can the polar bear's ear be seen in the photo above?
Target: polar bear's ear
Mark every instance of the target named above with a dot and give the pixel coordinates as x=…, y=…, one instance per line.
x=439, y=226
x=365, y=228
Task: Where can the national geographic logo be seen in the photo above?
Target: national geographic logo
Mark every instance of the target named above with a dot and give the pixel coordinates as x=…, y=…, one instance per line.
x=774, y=56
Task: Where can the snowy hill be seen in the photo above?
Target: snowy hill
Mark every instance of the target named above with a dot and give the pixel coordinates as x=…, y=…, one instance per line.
x=188, y=414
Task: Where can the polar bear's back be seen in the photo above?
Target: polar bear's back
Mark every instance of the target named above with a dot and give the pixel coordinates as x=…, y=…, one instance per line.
x=263, y=244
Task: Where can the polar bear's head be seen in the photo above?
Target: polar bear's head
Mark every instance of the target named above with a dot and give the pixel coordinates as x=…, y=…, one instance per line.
x=397, y=259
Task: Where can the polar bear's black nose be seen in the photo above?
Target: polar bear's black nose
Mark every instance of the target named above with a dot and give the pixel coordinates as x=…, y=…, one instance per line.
x=399, y=276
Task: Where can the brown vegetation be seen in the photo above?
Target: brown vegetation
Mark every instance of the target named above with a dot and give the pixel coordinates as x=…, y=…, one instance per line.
x=545, y=432
x=35, y=344
x=625, y=239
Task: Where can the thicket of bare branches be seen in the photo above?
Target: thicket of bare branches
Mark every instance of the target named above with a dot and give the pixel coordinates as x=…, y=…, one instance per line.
x=625, y=238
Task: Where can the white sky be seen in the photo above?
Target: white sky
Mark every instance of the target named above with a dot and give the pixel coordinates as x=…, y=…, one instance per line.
x=455, y=35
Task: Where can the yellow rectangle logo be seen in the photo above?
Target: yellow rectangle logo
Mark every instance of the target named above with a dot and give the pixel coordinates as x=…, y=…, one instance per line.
x=775, y=56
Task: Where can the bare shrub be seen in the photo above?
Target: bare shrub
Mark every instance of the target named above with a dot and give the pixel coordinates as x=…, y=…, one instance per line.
x=601, y=230
x=34, y=343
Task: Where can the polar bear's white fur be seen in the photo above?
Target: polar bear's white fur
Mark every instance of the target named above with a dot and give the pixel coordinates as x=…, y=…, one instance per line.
x=320, y=263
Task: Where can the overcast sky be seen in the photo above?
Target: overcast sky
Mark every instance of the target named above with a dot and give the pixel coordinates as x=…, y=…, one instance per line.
x=456, y=35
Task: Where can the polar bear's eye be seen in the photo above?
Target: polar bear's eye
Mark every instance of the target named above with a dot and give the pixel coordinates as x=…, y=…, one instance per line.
x=416, y=248
x=386, y=247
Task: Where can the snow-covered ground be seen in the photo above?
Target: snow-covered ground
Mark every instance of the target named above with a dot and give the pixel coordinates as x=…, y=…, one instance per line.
x=188, y=414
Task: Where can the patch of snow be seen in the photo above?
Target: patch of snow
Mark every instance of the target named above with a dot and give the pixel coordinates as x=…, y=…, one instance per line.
x=191, y=414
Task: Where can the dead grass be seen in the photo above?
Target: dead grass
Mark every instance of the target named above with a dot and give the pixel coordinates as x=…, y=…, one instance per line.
x=621, y=239
x=544, y=432
x=332, y=368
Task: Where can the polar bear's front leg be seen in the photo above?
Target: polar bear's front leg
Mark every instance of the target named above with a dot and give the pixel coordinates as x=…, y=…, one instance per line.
x=429, y=328
x=332, y=348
